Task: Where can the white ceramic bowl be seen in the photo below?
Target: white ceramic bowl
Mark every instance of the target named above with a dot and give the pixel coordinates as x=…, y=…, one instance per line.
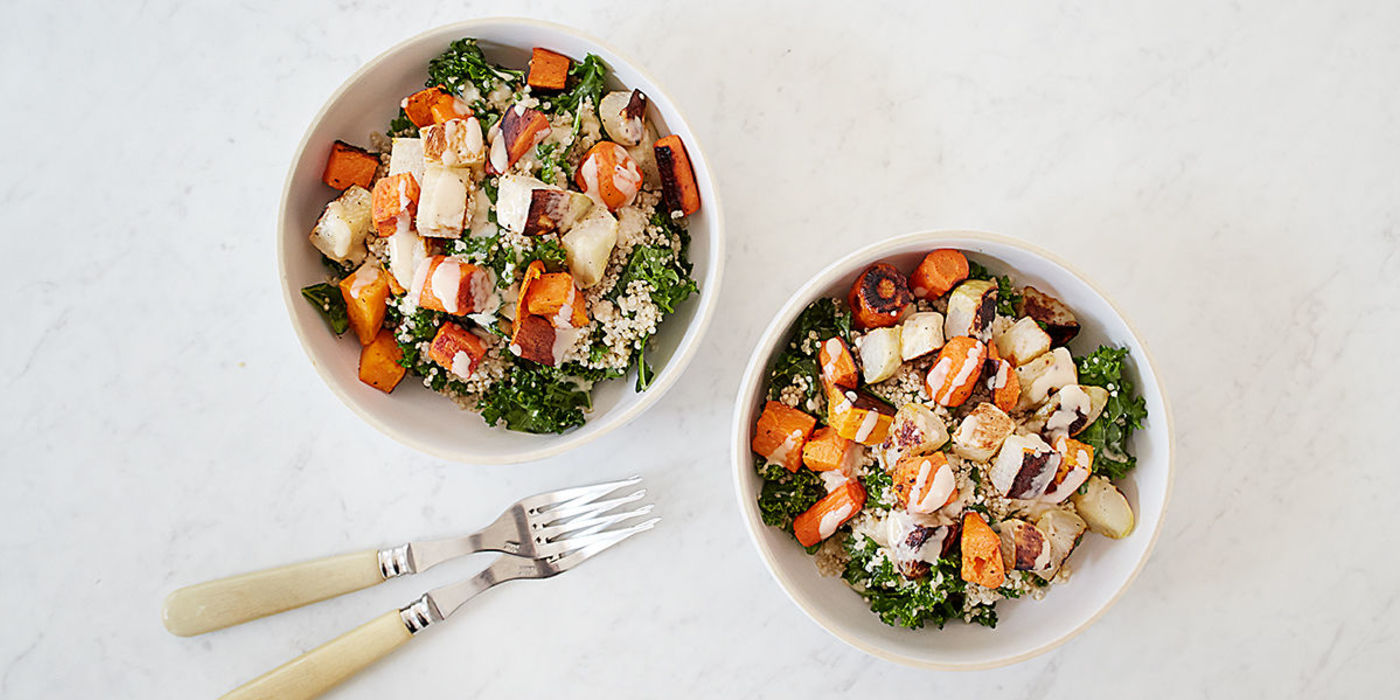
x=416, y=416
x=1102, y=568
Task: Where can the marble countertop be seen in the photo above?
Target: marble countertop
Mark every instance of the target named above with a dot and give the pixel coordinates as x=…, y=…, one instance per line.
x=1227, y=172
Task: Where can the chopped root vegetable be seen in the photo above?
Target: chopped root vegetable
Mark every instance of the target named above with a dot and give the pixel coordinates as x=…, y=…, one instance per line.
x=456, y=349
x=1003, y=383
x=522, y=129
x=450, y=285
x=862, y=419
x=981, y=553
x=379, y=362
x=548, y=70
x=879, y=297
x=838, y=365
x=532, y=338
x=419, y=106
x=532, y=273
x=366, y=294
x=954, y=375
x=446, y=108
x=549, y=294
x=826, y=451
x=939, y=272
x=678, y=187
x=395, y=204
x=1076, y=464
x=924, y=483
x=821, y=520
x=781, y=433
x=609, y=176
x=349, y=165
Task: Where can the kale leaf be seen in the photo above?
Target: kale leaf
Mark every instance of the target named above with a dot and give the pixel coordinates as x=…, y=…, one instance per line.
x=786, y=494
x=822, y=319
x=463, y=64
x=661, y=269
x=552, y=163
x=536, y=399
x=547, y=251
x=487, y=251
x=402, y=126
x=1007, y=296
x=900, y=602
x=588, y=79
x=1123, y=413
x=327, y=299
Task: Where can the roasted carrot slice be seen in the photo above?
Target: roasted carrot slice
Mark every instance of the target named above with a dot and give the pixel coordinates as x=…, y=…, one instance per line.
x=609, y=175
x=924, y=483
x=456, y=349
x=549, y=294
x=826, y=451
x=1003, y=382
x=379, y=362
x=781, y=433
x=395, y=203
x=419, y=106
x=821, y=520
x=679, y=190
x=938, y=273
x=349, y=165
x=954, y=375
x=838, y=365
x=548, y=70
x=366, y=294
x=879, y=296
x=532, y=338
x=981, y=553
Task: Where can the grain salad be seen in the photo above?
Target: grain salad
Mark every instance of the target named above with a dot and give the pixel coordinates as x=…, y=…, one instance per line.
x=933, y=440
x=513, y=238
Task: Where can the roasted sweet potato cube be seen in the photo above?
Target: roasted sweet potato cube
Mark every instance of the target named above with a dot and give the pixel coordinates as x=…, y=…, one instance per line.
x=446, y=108
x=522, y=129
x=826, y=451
x=821, y=520
x=548, y=70
x=780, y=434
x=366, y=294
x=532, y=338
x=456, y=349
x=349, y=165
x=862, y=419
x=838, y=365
x=395, y=203
x=550, y=293
x=924, y=483
x=449, y=285
x=379, y=362
x=679, y=190
x=609, y=175
x=534, y=271
x=419, y=106
x=981, y=553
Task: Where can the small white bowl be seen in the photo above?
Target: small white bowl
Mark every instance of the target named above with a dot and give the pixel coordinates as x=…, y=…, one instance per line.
x=1102, y=568
x=414, y=415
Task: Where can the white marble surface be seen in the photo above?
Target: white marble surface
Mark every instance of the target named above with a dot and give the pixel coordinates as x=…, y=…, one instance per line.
x=1227, y=171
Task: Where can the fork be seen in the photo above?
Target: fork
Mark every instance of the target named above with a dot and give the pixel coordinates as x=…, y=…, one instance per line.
x=540, y=527
x=326, y=666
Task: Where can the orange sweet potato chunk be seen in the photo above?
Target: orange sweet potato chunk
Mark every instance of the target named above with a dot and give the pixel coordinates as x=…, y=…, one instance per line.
x=548, y=70
x=379, y=362
x=981, y=553
x=832, y=511
x=838, y=365
x=366, y=294
x=419, y=106
x=550, y=292
x=825, y=451
x=781, y=433
x=349, y=165
x=395, y=199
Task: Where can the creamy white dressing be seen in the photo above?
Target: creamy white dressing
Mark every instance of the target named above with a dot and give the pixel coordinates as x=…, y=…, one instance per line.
x=484, y=295
x=834, y=479
x=589, y=172
x=833, y=519
x=833, y=351
x=938, y=376
x=419, y=288
x=446, y=285
x=1072, y=403
x=1061, y=373
x=783, y=451
x=500, y=160
x=564, y=339
x=626, y=176
x=363, y=277
x=998, y=380
x=463, y=364
x=965, y=371
x=932, y=488
x=867, y=426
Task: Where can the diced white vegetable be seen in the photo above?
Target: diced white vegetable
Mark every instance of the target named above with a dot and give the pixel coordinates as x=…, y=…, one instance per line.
x=879, y=354
x=971, y=308
x=1024, y=547
x=1098, y=400
x=442, y=206
x=921, y=334
x=456, y=143
x=341, y=230
x=1066, y=413
x=1023, y=342
x=407, y=250
x=1024, y=467
x=1104, y=508
x=406, y=156
x=1062, y=530
x=513, y=200
x=612, y=111
x=645, y=157
x=915, y=430
x=588, y=244
x=1044, y=375
x=982, y=432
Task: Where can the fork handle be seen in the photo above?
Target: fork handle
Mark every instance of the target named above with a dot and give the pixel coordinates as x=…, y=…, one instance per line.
x=322, y=668
x=213, y=605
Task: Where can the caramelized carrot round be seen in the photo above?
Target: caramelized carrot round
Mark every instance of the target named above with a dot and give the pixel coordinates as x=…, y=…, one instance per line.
x=939, y=272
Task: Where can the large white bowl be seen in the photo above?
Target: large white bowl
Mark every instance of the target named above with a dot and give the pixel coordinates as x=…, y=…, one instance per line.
x=416, y=416
x=1102, y=568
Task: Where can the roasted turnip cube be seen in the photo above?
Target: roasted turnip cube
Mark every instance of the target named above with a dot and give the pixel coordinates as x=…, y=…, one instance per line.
x=1024, y=547
x=513, y=197
x=442, y=207
x=1024, y=467
x=1104, y=508
x=1023, y=341
x=407, y=157
x=1043, y=376
x=972, y=306
x=982, y=432
x=915, y=430
x=553, y=210
x=1066, y=413
x=1062, y=530
x=588, y=245
x=920, y=334
x=407, y=250
x=456, y=143
x=879, y=354
x=622, y=115
x=1060, y=323
x=341, y=230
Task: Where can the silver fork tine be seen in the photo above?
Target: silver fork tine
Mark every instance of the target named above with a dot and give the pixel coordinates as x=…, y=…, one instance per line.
x=593, y=544
x=576, y=495
x=588, y=525
x=558, y=515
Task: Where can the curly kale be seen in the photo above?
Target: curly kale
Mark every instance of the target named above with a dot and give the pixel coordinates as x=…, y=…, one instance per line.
x=786, y=494
x=587, y=82
x=328, y=300
x=463, y=64
x=900, y=602
x=822, y=319
x=537, y=399
x=1123, y=413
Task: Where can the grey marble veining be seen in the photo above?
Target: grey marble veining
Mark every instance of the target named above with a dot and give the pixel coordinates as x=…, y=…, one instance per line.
x=1227, y=172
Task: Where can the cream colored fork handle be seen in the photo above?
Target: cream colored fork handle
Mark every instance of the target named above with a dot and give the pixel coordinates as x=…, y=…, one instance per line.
x=206, y=607
x=322, y=668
